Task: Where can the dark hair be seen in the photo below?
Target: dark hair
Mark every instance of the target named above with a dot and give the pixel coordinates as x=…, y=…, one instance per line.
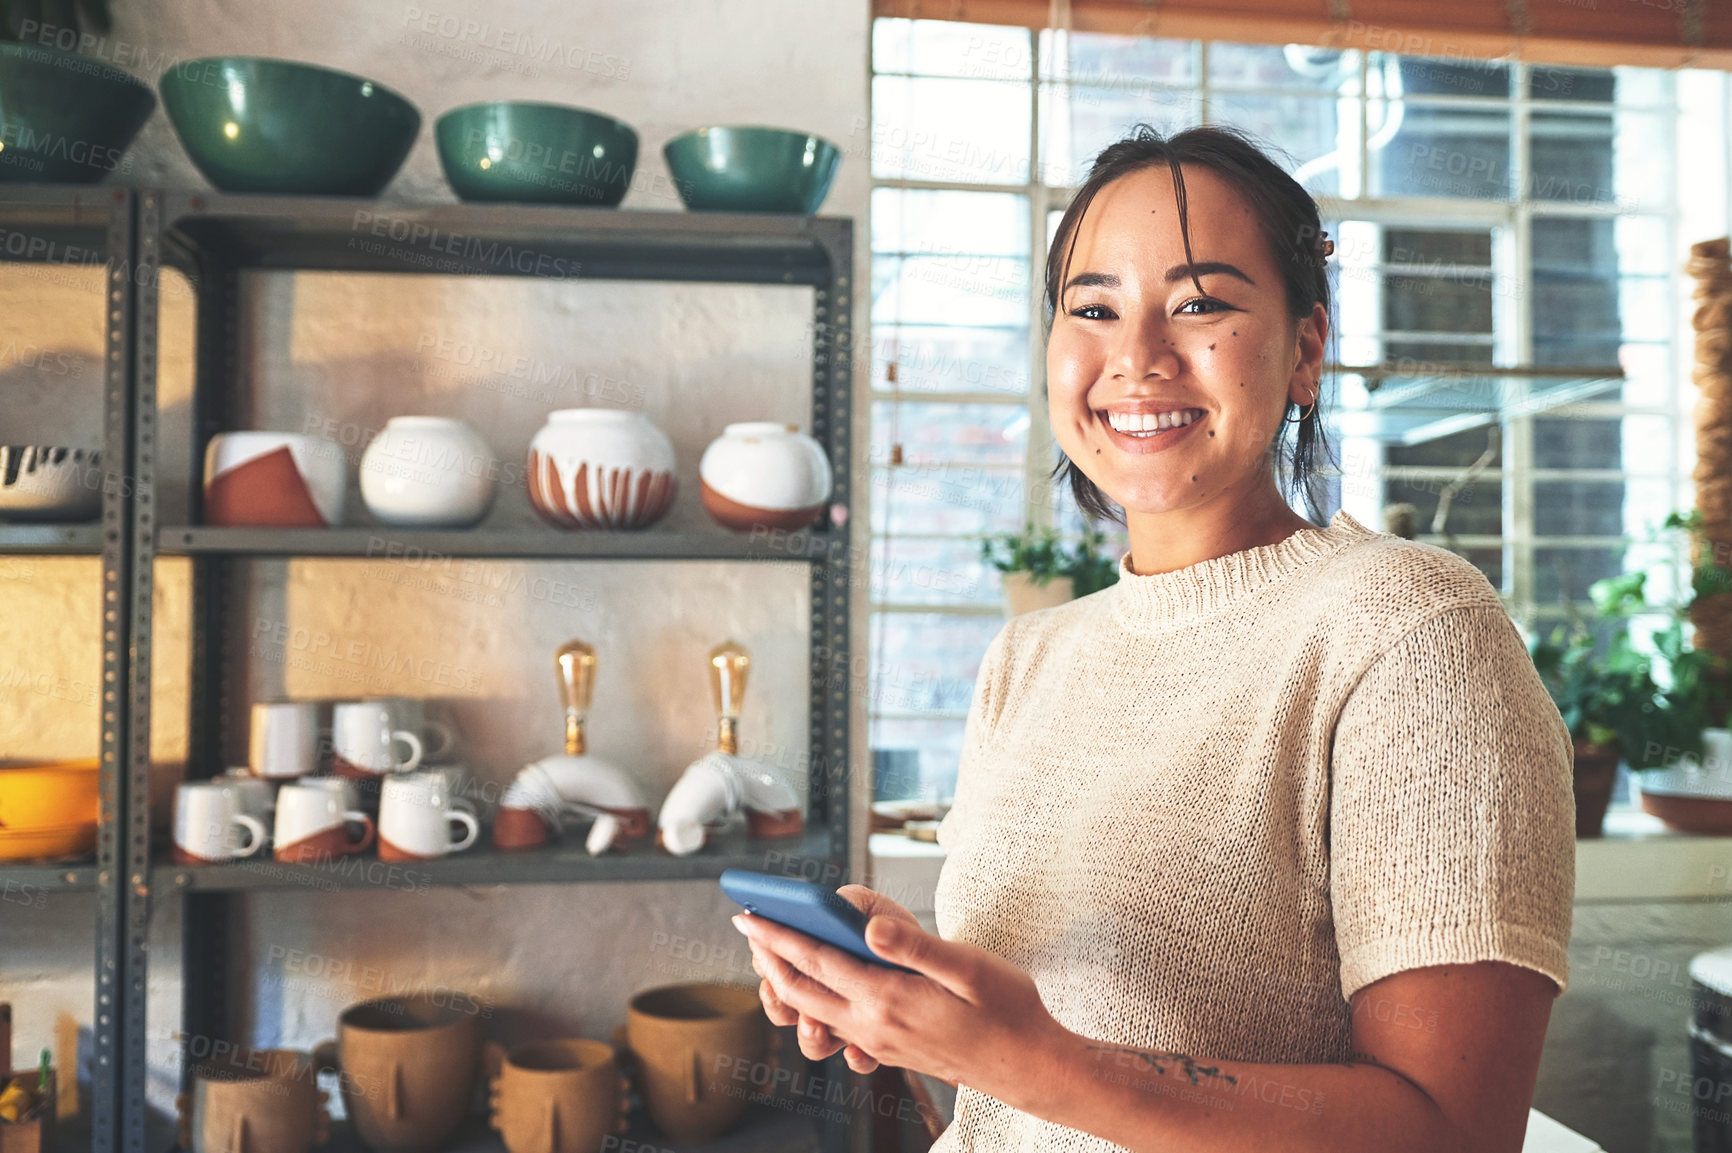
x=1289, y=221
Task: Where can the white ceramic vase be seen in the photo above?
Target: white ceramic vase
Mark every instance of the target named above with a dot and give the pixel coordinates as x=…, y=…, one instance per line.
x=600, y=468
x=428, y=472
x=761, y=473
x=281, y=479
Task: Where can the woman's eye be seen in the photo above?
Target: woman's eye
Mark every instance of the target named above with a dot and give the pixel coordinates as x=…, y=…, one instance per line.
x=1214, y=305
x=1093, y=312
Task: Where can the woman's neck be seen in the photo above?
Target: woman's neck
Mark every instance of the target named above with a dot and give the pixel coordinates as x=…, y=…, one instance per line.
x=1166, y=541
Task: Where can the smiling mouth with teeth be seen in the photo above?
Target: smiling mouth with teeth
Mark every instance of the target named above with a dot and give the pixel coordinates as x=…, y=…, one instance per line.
x=1150, y=423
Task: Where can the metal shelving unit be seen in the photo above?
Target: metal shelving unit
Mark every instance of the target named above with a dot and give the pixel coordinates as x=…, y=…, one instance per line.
x=45, y=225
x=213, y=238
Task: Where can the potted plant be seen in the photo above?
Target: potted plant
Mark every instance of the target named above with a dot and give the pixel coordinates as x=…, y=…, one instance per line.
x=1037, y=571
x=1613, y=706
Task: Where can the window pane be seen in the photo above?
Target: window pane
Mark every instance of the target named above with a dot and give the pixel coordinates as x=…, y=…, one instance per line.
x=956, y=289
x=947, y=499
x=1302, y=134
x=1393, y=75
x=918, y=220
x=1100, y=59
x=1578, y=507
x=1601, y=158
x=929, y=660
x=915, y=758
x=972, y=131
x=947, y=48
x=1578, y=442
x=1429, y=151
x=1297, y=66
x=943, y=359
x=1077, y=123
x=945, y=572
x=1567, y=572
x=1575, y=310
x=968, y=433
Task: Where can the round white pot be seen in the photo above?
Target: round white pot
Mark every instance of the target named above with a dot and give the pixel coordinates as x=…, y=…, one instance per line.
x=428, y=472
x=764, y=473
x=281, y=479
x=600, y=468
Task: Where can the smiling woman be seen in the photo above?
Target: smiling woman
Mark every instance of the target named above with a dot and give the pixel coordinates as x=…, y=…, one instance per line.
x=1269, y=845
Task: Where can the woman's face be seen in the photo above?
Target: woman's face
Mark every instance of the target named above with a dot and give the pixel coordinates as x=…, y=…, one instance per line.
x=1134, y=346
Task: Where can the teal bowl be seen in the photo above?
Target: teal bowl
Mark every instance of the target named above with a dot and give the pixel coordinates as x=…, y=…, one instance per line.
x=253, y=124
x=748, y=169
x=65, y=118
x=514, y=150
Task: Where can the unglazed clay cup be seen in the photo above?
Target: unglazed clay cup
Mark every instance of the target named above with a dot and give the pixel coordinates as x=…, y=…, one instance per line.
x=258, y=1100
x=408, y=1067
x=554, y=1096
x=689, y=1042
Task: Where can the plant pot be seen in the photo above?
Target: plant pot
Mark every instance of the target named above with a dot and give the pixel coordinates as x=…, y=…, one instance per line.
x=1694, y=796
x=1023, y=595
x=1596, y=769
x=600, y=468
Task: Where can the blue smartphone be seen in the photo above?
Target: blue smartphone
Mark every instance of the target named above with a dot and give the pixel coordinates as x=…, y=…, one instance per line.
x=806, y=908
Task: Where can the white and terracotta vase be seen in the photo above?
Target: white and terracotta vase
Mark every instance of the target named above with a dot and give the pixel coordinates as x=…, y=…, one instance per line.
x=600, y=468
x=49, y=482
x=428, y=472
x=280, y=479
x=762, y=473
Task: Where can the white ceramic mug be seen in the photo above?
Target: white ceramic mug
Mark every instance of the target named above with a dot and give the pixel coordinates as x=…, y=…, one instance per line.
x=257, y=796
x=312, y=824
x=418, y=821
x=426, y=720
x=365, y=739
x=284, y=740
x=457, y=782
x=343, y=788
x=207, y=817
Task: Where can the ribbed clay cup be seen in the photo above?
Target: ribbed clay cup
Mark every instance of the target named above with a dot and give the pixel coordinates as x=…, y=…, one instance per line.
x=696, y=1048
x=409, y=1066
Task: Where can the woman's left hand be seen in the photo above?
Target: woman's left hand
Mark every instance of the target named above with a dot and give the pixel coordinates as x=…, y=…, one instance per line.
x=967, y=1015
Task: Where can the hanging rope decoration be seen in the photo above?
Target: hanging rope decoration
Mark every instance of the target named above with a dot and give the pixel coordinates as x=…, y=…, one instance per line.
x=1711, y=268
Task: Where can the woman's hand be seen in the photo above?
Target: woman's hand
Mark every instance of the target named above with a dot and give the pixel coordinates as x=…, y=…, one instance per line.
x=965, y=1015
x=816, y=1040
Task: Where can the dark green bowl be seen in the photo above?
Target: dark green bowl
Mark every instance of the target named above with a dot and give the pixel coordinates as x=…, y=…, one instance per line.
x=747, y=169
x=519, y=151
x=253, y=124
x=65, y=118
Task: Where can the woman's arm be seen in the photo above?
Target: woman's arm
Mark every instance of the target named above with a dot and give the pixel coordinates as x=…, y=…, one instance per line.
x=1445, y=1060
x=1447, y=1055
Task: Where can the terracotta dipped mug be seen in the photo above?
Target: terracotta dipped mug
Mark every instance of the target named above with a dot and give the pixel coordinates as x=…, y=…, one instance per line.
x=312, y=825
x=562, y=1096
x=254, y=1101
x=407, y=1068
x=688, y=1043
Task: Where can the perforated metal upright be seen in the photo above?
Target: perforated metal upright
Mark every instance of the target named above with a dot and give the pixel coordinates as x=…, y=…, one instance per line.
x=85, y=227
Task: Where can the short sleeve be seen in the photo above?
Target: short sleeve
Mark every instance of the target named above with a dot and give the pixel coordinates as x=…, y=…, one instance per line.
x=1452, y=807
x=983, y=712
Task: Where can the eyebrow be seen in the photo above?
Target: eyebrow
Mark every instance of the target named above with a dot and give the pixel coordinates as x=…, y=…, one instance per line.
x=1174, y=274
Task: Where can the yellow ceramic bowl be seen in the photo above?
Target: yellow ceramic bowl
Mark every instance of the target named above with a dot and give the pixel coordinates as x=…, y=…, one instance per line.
x=48, y=795
x=48, y=844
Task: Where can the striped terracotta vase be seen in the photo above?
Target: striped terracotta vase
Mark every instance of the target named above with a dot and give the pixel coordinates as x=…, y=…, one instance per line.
x=600, y=468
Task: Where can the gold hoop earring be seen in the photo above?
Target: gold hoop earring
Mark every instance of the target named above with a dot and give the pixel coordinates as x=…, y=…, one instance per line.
x=1303, y=416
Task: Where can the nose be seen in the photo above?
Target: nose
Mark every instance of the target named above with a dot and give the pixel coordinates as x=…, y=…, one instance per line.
x=1143, y=348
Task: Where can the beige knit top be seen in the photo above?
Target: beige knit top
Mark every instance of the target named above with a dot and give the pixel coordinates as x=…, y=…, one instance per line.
x=1202, y=808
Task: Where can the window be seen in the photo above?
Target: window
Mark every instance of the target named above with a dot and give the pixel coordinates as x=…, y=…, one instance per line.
x=1484, y=211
